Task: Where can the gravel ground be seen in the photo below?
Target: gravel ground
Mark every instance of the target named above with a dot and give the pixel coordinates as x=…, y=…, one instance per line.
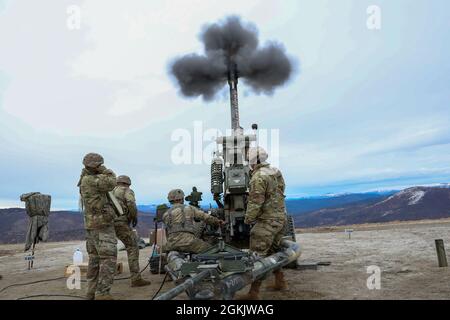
x=403, y=252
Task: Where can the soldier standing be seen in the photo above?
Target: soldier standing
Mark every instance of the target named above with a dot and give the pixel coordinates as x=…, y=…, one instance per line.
x=127, y=201
x=101, y=243
x=179, y=221
x=266, y=210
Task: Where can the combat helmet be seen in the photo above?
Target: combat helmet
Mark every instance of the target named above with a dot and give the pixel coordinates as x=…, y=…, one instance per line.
x=257, y=155
x=92, y=160
x=124, y=179
x=175, y=195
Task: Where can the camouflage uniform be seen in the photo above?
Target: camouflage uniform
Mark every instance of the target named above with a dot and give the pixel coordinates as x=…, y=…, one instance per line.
x=266, y=208
x=101, y=242
x=179, y=221
x=123, y=230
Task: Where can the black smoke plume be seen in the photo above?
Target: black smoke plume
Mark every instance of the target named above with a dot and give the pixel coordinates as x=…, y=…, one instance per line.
x=226, y=43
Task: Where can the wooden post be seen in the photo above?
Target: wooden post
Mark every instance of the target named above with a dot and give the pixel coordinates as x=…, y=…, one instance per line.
x=349, y=232
x=440, y=250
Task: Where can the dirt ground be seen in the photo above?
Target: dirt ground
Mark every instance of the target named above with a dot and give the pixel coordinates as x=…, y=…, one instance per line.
x=404, y=252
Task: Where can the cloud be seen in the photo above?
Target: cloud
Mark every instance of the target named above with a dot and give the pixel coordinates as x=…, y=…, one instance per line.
x=370, y=110
x=411, y=136
x=114, y=68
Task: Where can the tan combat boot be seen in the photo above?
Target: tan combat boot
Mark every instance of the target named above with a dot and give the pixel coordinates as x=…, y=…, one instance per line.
x=253, y=293
x=280, y=283
x=104, y=297
x=140, y=283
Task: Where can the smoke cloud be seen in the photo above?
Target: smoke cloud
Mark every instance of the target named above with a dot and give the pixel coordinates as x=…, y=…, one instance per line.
x=263, y=69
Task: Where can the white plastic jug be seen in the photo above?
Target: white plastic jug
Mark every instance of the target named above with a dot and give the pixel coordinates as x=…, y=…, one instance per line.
x=77, y=257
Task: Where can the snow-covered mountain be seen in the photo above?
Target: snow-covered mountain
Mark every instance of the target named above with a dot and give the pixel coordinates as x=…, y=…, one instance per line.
x=410, y=204
x=301, y=205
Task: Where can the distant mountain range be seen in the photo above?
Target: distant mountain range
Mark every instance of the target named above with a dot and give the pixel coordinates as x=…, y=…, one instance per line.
x=147, y=208
x=64, y=225
x=306, y=204
x=296, y=206
x=342, y=209
x=415, y=203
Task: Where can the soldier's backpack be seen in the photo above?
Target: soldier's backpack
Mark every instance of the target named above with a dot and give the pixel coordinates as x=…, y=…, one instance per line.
x=36, y=203
x=38, y=209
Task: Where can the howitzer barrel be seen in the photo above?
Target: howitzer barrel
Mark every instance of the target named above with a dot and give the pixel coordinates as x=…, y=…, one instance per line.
x=233, y=82
x=280, y=259
x=234, y=105
x=234, y=283
x=186, y=285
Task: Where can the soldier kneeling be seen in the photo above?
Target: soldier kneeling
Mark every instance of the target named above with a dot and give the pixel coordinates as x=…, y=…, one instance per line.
x=179, y=221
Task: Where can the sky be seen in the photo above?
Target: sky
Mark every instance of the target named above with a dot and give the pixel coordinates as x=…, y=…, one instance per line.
x=367, y=109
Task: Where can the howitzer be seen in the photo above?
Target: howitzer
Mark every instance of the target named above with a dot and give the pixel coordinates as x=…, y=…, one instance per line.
x=225, y=268
x=230, y=174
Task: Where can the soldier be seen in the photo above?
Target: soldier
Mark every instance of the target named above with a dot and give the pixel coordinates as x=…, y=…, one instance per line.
x=101, y=243
x=125, y=195
x=179, y=221
x=266, y=210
